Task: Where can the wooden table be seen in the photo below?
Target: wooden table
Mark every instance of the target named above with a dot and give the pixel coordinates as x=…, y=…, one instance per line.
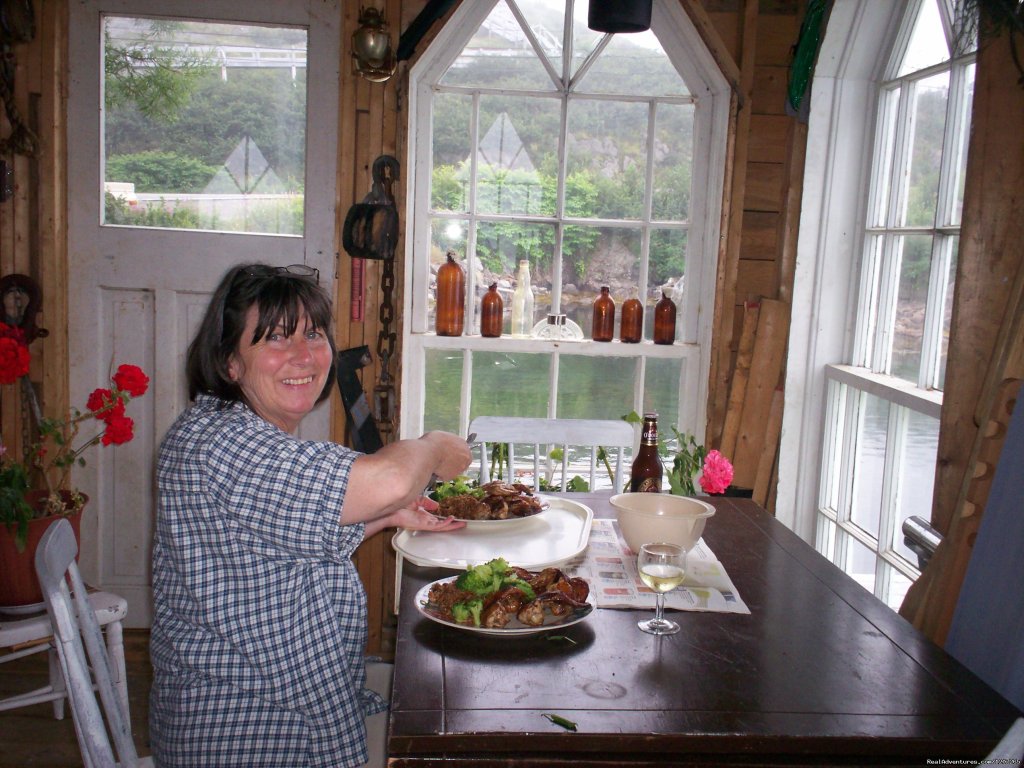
x=820, y=673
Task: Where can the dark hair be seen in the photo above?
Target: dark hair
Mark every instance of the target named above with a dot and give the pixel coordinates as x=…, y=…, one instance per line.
x=279, y=296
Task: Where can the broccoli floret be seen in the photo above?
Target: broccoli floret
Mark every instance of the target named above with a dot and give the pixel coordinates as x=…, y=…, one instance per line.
x=523, y=586
x=483, y=579
x=463, y=612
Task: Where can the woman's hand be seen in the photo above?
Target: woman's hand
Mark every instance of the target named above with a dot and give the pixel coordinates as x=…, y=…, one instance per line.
x=418, y=516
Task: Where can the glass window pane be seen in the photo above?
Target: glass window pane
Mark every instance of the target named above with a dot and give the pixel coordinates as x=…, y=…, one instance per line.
x=510, y=384
x=584, y=39
x=449, y=187
x=630, y=64
x=661, y=392
x=500, y=55
x=546, y=20
x=593, y=257
x=899, y=585
x=501, y=245
x=860, y=563
x=917, y=475
x=204, y=125
x=947, y=312
x=445, y=235
x=607, y=143
x=443, y=387
x=595, y=387
x=518, y=137
x=666, y=270
x=927, y=42
x=961, y=151
x=673, y=162
x=908, y=333
x=869, y=464
x=926, y=149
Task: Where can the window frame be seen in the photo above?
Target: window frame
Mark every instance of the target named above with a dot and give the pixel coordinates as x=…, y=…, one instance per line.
x=683, y=45
x=847, y=201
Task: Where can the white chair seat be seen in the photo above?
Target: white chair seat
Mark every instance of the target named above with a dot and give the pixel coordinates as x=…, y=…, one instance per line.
x=26, y=635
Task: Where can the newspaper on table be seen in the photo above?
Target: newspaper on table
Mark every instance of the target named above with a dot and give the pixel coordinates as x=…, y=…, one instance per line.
x=609, y=567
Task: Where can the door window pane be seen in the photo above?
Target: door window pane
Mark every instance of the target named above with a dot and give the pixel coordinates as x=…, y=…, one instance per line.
x=204, y=126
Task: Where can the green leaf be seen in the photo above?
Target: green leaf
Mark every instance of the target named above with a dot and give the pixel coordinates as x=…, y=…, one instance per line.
x=569, y=725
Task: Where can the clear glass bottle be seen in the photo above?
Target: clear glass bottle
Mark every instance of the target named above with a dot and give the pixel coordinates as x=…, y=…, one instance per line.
x=647, y=470
x=522, y=302
x=604, y=316
x=492, y=313
x=450, y=312
x=665, y=321
x=631, y=330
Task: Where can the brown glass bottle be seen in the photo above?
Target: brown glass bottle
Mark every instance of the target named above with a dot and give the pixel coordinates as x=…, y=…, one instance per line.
x=645, y=475
x=491, y=313
x=665, y=321
x=632, y=328
x=451, y=298
x=604, y=316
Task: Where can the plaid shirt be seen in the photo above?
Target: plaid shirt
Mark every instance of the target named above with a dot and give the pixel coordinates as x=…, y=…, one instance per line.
x=259, y=624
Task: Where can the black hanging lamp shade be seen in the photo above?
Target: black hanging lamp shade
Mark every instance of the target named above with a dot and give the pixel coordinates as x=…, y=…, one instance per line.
x=619, y=15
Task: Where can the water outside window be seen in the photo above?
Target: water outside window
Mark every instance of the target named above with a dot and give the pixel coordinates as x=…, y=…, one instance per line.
x=204, y=126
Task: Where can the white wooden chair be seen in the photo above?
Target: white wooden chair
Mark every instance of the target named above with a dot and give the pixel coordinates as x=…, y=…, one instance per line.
x=537, y=437
x=73, y=621
x=29, y=634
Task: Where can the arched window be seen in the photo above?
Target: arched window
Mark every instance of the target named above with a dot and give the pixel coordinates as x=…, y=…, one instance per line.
x=598, y=159
x=879, y=240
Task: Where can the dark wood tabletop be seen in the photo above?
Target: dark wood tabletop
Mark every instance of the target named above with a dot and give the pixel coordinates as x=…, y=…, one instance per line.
x=820, y=673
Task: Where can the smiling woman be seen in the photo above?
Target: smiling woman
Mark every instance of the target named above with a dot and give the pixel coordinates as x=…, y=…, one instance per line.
x=251, y=518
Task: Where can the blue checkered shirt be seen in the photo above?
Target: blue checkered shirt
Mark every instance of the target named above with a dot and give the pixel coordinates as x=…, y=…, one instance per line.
x=259, y=624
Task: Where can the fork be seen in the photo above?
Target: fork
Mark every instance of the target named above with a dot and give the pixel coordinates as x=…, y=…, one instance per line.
x=434, y=479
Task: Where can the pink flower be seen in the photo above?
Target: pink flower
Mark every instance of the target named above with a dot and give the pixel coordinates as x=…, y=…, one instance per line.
x=717, y=473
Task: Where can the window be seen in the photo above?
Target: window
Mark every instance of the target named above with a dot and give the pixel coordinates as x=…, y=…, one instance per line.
x=596, y=158
x=882, y=391
x=204, y=125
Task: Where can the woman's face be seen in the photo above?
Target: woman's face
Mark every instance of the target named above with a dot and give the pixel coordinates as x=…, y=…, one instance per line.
x=282, y=376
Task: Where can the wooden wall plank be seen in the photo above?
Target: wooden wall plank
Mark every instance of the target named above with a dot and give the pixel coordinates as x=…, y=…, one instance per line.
x=760, y=235
x=765, y=182
x=770, y=86
x=768, y=138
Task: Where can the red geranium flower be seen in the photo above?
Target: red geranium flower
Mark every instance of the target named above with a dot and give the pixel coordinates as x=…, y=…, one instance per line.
x=132, y=380
x=14, y=354
x=119, y=430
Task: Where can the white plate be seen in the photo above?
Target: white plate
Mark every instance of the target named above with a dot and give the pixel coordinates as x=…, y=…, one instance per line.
x=545, y=503
x=513, y=628
x=552, y=537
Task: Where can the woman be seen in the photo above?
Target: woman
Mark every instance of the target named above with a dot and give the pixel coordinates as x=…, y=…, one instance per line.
x=259, y=624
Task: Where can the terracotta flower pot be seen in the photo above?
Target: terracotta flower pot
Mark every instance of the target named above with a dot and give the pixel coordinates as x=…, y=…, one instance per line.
x=19, y=586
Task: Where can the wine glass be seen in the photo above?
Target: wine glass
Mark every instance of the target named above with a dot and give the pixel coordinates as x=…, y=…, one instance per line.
x=662, y=567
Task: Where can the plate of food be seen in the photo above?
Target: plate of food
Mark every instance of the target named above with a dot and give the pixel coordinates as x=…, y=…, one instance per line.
x=492, y=504
x=495, y=598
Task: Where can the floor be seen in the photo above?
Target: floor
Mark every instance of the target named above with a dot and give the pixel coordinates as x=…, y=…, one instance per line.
x=30, y=737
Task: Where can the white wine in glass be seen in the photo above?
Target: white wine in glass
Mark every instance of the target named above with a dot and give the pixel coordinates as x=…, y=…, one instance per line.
x=662, y=568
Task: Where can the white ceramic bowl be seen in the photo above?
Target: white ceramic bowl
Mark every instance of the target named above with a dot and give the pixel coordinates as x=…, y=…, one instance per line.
x=650, y=517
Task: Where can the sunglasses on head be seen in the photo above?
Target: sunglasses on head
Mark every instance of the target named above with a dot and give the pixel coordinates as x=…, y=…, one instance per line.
x=292, y=270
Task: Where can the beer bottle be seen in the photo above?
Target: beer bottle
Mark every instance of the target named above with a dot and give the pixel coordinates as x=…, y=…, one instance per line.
x=645, y=476
x=604, y=316
x=451, y=298
x=491, y=313
x=665, y=321
x=631, y=330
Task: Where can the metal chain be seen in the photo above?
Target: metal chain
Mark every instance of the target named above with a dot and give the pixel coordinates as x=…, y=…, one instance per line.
x=384, y=392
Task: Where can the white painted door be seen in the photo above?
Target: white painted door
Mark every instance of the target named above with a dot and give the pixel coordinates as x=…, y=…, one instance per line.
x=139, y=283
